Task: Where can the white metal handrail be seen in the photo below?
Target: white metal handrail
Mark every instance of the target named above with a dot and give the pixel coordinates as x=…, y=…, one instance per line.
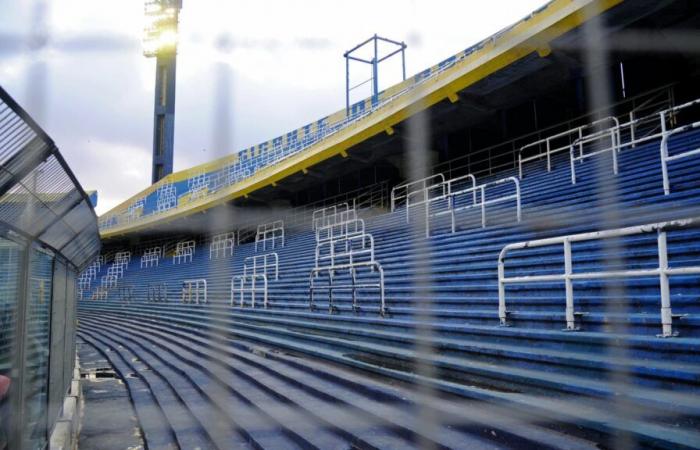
x=481, y=202
x=665, y=158
x=151, y=257
x=254, y=265
x=340, y=229
x=108, y=281
x=222, y=244
x=348, y=250
x=353, y=286
x=612, y=133
x=578, y=132
x=194, y=289
x=122, y=257
x=444, y=190
x=409, y=186
x=272, y=232
x=319, y=216
x=247, y=284
x=663, y=271
x=157, y=293
x=126, y=293
x=184, y=252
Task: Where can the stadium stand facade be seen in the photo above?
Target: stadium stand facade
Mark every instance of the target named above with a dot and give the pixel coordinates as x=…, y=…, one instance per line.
x=537, y=288
x=48, y=235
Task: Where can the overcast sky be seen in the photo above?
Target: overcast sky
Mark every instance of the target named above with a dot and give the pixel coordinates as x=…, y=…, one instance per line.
x=278, y=64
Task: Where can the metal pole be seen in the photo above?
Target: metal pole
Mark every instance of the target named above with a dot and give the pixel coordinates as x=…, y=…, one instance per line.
x=403, y=60
x=347, y=86
x=666, y=315
x=568, y=270
x=375, y=72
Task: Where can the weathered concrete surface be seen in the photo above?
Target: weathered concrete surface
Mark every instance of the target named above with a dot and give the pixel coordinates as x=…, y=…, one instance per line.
x=108, y=420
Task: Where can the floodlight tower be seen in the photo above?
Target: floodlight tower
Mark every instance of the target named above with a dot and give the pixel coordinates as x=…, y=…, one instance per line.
x=160, y=41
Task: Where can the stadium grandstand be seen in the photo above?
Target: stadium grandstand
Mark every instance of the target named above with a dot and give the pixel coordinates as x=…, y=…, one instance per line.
x=501, y=251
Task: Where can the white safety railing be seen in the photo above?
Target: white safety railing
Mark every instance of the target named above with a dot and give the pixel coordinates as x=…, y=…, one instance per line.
x=574, y=133
x=184, y=252
x=100, y=293
x=122, y=258
x=662, y=271
x=270, y=235
x=353, y=286
x=116, y=270
x=401, y=192
x=479, y=201
x=666, y=134
x=151, y=257
x=341, y=229
x=126, y=293
x=243, y=284
x=157, y=293
x=320, y=217
x=611, y=133
x=108, y=281
x=345, y=250
x=267, y=264
x=438, y=191
x=222, y=245
x=194, y=290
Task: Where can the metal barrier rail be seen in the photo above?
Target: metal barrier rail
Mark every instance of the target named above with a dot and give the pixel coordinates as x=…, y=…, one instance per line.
x=614, y=135
x=663, y=271
x=578, y=131
x=666, y=134
x=151, y=257
x=157, y=293
x=122, y=257
x=348, y=251
x=444, y=188
x=100, y=293
x=424, y=183
x=192, y=289
x=319, y=216
x=184, y=252
x=270, y=232
x=116, y=270
x=340, y=229
x=252, y=263
x=108, y=281
x=353, y=287
x=253, y=289
x=481, y=203
x=222, y=244
x=126, y=293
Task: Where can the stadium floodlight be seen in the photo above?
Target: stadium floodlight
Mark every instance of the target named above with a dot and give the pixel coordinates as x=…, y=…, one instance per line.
x=160, y=29
x=160, y=40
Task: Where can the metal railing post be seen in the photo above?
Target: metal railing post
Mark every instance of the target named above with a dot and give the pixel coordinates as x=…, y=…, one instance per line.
x=568, y=271
x=666, y=314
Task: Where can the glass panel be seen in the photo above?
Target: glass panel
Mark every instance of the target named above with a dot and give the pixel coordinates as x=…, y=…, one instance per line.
x=9, y=282
x=37, y=348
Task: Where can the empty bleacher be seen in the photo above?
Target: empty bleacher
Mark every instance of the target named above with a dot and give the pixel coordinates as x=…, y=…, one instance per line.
x=542, y=369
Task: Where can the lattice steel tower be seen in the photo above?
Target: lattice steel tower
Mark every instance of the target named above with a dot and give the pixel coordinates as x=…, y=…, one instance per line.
x=160, y=41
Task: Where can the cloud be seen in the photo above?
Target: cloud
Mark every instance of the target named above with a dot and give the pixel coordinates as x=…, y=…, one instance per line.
x=285, y=62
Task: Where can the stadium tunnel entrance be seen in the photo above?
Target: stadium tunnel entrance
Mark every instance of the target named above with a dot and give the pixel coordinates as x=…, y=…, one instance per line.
x=481, y=129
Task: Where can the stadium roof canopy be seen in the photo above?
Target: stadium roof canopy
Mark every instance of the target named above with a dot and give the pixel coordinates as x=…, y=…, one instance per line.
x=459, y=91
